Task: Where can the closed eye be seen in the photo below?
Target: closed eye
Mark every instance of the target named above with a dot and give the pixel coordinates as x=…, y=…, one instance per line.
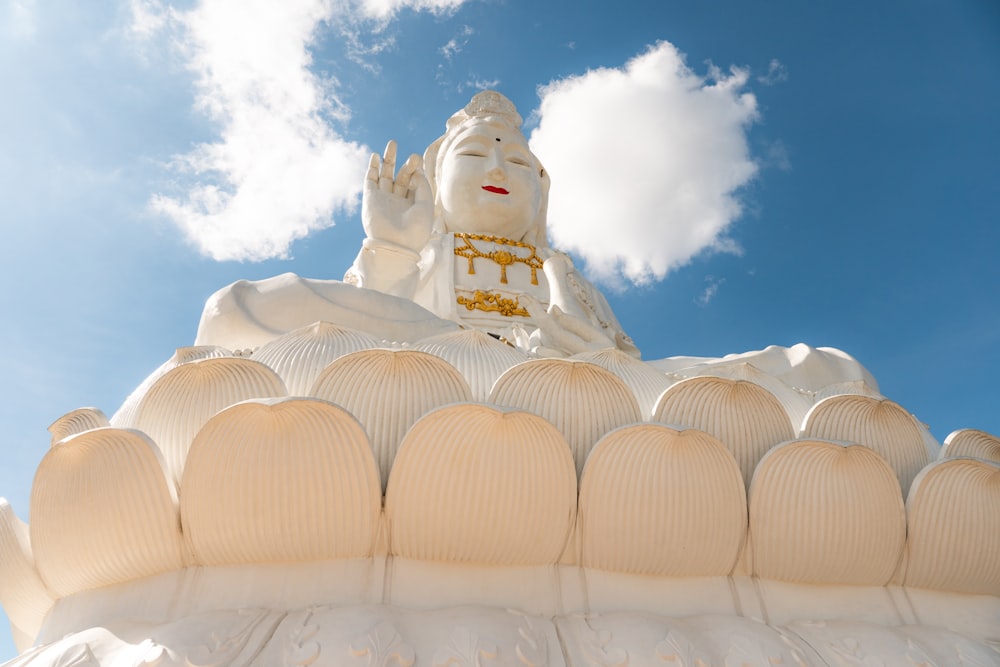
x=518, y=161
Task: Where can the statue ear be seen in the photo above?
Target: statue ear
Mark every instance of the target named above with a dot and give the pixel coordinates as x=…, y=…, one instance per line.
x=430, y=171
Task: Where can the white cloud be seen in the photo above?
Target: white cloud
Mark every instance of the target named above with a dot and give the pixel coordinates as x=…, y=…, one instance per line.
x=385, y=9
x=646, y=162
x=278, y=169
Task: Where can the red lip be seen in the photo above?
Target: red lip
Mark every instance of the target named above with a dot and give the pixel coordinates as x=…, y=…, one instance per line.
x=495, y=189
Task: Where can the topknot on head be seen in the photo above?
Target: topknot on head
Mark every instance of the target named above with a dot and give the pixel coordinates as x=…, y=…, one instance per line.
x=487, y=103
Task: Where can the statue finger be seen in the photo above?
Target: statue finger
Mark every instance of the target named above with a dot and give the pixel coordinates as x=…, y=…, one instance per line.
x=420, y=186
x=405, y=175
x=388, y=167
x=373, y=169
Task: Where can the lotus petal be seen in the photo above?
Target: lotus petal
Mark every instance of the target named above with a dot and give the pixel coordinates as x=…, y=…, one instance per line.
x=126, y=414
x=582, y=400
x=388, y=390
x=646, y=382
x=658, y=501
x=795, y=401
x=479, y=357
x=288, y=479
x=184, y=398
x=968, y=442
x=953, y=520
x=24, y=595
x=746, y=417
x=876, y=423
x=77, y=421
x=825, y=513
x=474, y=483
x=103, y=512
x=300, y=356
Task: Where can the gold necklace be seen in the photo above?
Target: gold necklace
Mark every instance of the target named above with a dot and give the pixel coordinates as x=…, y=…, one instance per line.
x=503, y=258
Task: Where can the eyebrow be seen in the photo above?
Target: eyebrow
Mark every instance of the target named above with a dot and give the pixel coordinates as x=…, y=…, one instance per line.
x=476, y=139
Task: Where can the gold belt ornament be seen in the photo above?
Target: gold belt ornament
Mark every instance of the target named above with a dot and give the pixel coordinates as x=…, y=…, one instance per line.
x=491, y=302
x=503, y=258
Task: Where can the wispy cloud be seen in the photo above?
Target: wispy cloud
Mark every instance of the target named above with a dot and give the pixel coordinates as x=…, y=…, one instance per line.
x=647, y=161
x=776, y=155
x=478, y=83
x=776, y=73
x=711, y=289
x=278, y=169
x=457, y=43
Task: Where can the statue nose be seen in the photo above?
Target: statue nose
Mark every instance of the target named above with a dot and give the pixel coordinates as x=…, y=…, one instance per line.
x=495, y=165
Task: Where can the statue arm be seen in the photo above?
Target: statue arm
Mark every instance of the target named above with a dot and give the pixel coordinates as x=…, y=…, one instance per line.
x=397, y=213
x=386, y=267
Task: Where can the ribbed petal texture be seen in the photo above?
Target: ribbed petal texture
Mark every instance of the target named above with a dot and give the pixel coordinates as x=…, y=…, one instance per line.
x=25, y=598
x=821, y=512
x=795, y=402
x=747, y=418
x=645, y=381
x=102, y=512
x=77, y=421
x=657, y=501
x=953, y=517
x=582, y=400
x=183, y=399
x=969, y=442
x=388, y=390
x=300, y=356
x=876, y=423
x=280, y=480
x=476, y=484
x=479, y=357
x=126, y=414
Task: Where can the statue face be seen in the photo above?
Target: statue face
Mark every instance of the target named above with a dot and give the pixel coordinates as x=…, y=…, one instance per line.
x=489, y=182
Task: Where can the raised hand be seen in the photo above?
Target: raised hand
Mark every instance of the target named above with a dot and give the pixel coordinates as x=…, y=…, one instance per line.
x=397, y=210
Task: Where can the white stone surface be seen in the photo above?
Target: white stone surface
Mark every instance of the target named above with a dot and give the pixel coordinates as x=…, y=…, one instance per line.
x=216, y=520
x=877, y=423
x=745, y=417
x=684, y=497
x=478, y=484
x=583, y=400
x=822, y=512
x=972, y=443
x=388, y=391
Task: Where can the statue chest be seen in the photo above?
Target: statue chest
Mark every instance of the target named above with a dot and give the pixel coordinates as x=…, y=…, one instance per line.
x=492, y=275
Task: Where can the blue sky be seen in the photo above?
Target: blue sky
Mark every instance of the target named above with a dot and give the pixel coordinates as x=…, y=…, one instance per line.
x=845, y=156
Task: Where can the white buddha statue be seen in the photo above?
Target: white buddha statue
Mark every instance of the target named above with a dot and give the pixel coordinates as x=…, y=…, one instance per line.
x=462, y=233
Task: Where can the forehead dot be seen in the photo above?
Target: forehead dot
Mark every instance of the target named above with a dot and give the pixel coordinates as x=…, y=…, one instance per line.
x=498, y=138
